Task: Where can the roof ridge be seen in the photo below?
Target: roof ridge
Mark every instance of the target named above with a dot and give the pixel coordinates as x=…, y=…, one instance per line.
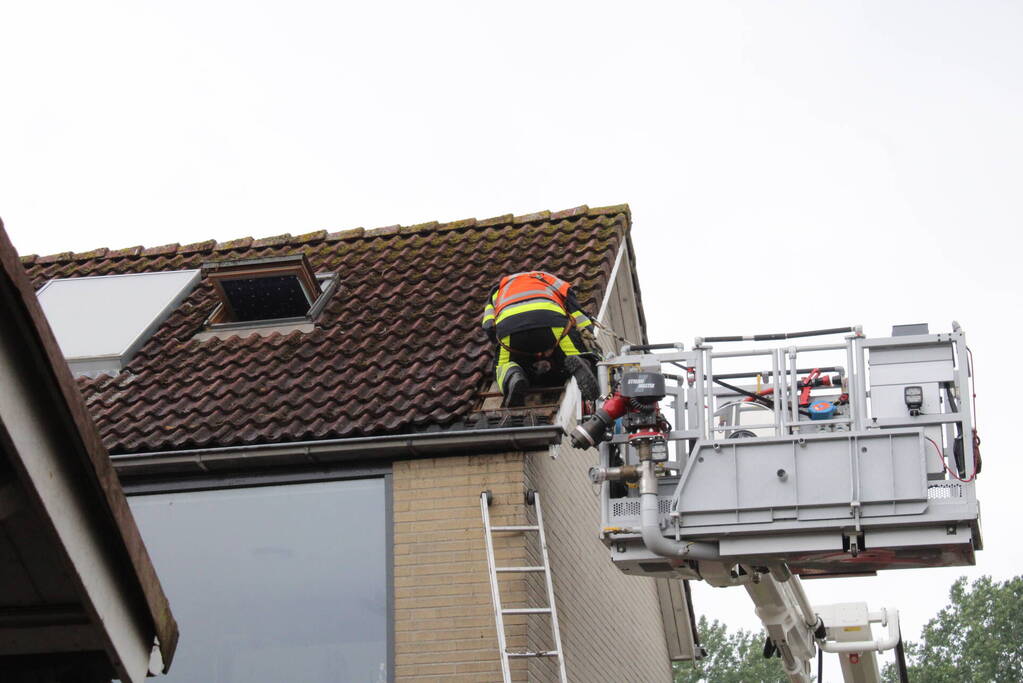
x=325, y=236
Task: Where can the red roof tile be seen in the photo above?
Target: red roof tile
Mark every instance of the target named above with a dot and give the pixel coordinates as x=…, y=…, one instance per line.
x=397, y=349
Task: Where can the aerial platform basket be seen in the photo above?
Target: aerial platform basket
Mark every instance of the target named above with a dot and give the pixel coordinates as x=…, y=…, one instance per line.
x=837, y=459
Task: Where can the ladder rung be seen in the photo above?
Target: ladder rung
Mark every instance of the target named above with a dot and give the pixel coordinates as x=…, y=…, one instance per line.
x=547, y=653
x=515, y=528
x=527, y=610
x=519, y=569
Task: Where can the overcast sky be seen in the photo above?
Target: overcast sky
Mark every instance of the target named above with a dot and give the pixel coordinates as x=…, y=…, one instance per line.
x=789, y=164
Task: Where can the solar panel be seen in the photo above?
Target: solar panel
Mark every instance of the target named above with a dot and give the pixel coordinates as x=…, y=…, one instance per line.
x=100, y=322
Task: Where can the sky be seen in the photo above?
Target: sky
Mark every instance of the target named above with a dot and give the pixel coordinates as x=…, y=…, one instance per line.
x=789, y=165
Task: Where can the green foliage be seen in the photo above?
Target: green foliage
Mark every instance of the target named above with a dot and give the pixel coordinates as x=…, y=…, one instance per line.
x=977, y=637
x=731, y=658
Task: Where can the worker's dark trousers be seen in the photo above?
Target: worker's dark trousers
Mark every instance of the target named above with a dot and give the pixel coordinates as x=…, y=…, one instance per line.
x=527, y=343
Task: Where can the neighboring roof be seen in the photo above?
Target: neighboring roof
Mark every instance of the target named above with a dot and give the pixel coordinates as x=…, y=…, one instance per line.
x=397, y=350
x=78, y=585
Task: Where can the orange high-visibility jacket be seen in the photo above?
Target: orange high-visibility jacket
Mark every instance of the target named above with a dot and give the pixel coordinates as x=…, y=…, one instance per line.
x=528, y=300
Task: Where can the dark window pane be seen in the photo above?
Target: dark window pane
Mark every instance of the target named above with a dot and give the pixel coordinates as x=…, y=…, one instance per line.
x=270, y=584
x=266, y=298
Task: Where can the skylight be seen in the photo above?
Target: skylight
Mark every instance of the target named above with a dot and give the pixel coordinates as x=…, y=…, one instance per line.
x=268, y=289
x=100, y=322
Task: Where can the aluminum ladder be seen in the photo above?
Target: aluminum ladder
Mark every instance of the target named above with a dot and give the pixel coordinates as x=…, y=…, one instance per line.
x=533, y=498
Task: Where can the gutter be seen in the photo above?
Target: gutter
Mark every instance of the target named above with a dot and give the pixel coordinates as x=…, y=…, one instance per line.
x=205, y=460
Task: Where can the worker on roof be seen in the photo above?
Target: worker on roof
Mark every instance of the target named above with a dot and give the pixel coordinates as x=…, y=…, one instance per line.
x=536, y=322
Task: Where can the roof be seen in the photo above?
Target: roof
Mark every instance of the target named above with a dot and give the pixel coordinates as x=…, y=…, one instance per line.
x=76, y=574
x=397, y=350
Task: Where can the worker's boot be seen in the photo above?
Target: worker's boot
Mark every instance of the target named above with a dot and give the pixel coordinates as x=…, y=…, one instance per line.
x=515, y=386
x=579, y=368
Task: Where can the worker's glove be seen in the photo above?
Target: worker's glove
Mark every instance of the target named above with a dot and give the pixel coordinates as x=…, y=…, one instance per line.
x=589, y=339
x=491, y=334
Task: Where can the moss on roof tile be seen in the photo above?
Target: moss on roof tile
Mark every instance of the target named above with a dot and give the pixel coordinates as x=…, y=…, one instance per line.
x=127, y=252
x=581, y=210
x=496, y=220
x=89, y=255
x=345, y=234
x=56, y=258
x=419, y=227
x=610, y=210
x=538, y=217
x=197, y=247
x=315, y=236
x=457, y=225
x=274, y=241
x=161, y=250
x=240, y=243
x=384, y=231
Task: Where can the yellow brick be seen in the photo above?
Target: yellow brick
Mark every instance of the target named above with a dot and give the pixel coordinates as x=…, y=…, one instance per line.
x=443, y=613
x=479, y=667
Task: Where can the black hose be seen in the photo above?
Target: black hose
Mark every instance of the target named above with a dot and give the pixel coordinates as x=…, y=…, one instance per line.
x=957, y=444
x=648, y=347
x=756, y=397
x=768, y=373
x=780, y=335
x=900, y=661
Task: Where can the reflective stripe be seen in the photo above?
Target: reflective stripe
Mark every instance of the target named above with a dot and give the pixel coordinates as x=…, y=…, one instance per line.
x=527, y=306
x=545, y=292
x=524, y=286
x=581, y=320
x=565, y=344
x=504, y=364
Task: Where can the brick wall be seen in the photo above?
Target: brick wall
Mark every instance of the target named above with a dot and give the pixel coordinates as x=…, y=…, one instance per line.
x=443, y=619
x=611, y=627
x=444, y=626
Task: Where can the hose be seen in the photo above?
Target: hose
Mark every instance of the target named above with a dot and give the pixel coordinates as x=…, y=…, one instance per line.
x=780, y=335
x=756, y=397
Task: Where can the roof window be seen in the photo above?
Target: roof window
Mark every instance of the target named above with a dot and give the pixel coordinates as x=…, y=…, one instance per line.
x=101, y=321
x=254, y=292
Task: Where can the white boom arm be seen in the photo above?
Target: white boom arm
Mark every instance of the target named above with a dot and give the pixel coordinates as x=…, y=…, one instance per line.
x=796, y=628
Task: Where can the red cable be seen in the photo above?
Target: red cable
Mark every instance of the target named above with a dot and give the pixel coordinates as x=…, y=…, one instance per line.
x=941, y=457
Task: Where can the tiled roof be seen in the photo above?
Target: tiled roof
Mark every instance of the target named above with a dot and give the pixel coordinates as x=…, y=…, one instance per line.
x=398, y=348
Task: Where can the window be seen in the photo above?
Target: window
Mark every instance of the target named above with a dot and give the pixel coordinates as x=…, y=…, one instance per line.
x=269, y=290
x=100, y=322
x=274, y=583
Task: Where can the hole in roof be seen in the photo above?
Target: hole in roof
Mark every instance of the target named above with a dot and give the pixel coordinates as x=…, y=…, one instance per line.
x=266, y=298
x=267, y=291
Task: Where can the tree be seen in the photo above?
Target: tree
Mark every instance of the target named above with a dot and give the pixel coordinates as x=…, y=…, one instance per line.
x=731, y=658
x=978, y=636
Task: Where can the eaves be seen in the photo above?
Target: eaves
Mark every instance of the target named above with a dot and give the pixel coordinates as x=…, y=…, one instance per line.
x=396, y=447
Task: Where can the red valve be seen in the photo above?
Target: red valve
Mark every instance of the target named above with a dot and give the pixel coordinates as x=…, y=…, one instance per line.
x=616, y=406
